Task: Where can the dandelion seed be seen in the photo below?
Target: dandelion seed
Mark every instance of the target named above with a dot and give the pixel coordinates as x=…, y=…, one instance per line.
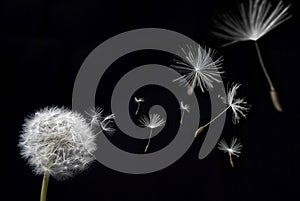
x=96, y=119
x=199, y=68
x=273, y=92
x=254, y=19
x=183, y=108
x=233, y=149
x=238, y=106
x=152, y=122
x=138, y=101
x=57, y=142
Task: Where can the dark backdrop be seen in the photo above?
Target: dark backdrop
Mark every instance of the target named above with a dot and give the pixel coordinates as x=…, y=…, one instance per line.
x=43, y=45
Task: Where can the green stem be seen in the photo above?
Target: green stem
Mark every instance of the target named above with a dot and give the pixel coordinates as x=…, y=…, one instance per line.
x=44, y=187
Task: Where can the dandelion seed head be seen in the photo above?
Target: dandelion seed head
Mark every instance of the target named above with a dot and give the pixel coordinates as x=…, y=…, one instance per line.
x=234, y=148
x=97, y=118
x=185, y=107
x=254, y=19
x=238, y=106
x=200, y=67
x=138, y=100
x=58, y=142
x=230, y=150
x=153, y=121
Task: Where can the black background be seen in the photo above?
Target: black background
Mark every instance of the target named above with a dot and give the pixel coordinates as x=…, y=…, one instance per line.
x=43, y=45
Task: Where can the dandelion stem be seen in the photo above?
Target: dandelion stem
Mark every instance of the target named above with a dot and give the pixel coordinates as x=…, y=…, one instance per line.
x=199, y=130
x=191, y=88
x=230, y=159
x=263, y=66
x=182, y=114
x=217, y=116
x=273, y=92
x=44, y=187
x=146, y=148
x=138, y=107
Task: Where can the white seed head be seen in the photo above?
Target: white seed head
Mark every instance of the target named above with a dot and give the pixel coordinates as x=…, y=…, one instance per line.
x=238, y=106
x=254, y=19
x=58, y=142
x=138, y=100
x=234, y=148
x=96, y=119
x=200, y=68
x=185, y=107
x=153, y=121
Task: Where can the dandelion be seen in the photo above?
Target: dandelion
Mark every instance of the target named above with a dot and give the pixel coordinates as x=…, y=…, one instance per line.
x=254, y=19
x=200, y=68
x=152, y=122
x=238, y=106
x=138, y=101
x=233, y=149
x=57, y=142
x=96, y=119
x=183, y=108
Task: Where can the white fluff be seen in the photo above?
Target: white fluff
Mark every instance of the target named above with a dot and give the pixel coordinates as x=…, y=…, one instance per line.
x=58, y=142
x=254, y=19
x=234, y=148
x=153, y=121
x=199, y=68
x=238, y=106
